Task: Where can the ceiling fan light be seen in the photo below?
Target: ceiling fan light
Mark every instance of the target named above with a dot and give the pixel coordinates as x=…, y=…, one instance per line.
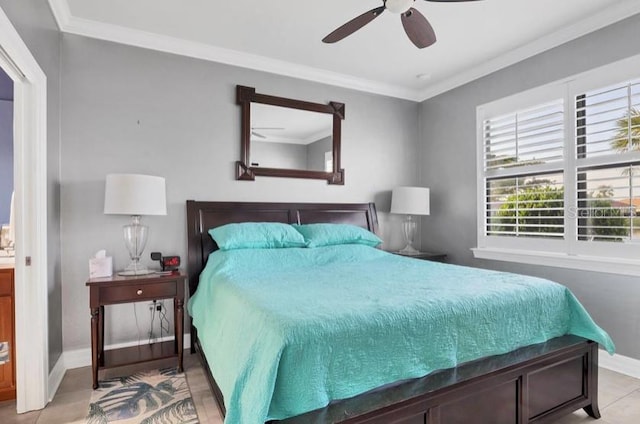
x=398, y=6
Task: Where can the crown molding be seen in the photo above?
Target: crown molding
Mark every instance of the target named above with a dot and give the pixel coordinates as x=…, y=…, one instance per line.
x=118, y=34
x=122, y=35
x=61, y=12
x=620, y=11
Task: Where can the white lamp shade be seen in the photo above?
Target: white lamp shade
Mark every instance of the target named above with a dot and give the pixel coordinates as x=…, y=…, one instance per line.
x=134, y=194
x=410, y=201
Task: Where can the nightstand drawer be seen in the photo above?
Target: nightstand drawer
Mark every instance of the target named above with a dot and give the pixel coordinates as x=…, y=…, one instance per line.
x=132, y=293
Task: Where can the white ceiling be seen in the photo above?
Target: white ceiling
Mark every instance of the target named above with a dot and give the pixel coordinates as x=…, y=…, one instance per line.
x=284, y=36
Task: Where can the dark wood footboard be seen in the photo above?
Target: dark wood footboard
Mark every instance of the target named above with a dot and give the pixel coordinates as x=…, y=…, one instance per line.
x=534, y=384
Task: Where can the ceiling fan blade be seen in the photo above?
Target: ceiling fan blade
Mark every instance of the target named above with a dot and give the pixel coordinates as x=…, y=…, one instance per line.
x=418, y=29
x=353, y=25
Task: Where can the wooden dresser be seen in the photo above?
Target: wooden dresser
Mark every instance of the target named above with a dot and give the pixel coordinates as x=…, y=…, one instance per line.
x=7, y=337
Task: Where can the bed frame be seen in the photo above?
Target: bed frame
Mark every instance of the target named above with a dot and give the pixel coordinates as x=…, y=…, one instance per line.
x=534, y=384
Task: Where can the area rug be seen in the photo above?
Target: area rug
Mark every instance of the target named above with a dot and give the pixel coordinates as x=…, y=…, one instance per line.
x=158, y=396
x=4, y=353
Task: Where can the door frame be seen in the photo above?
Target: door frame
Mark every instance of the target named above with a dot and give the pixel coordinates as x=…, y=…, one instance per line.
x=30, y=207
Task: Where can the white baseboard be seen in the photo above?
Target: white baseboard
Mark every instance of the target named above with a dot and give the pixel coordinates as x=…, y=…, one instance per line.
x=55, y=377
x=620, y=363
x=79, y=358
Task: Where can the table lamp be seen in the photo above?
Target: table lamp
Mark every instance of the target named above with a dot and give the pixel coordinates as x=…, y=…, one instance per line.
x=135, y=195
x=410, y=201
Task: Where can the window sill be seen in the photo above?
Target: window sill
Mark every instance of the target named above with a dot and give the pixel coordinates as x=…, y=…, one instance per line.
x=560, y=260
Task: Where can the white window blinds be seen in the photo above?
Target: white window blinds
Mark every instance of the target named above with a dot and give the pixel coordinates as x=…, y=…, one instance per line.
x=523, y=199
x=608, y=203
x=526, y=137
x=529, y=206
x=608, y=120
x=607, y=146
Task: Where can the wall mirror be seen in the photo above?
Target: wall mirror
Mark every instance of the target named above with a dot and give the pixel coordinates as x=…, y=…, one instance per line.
x=283, y=137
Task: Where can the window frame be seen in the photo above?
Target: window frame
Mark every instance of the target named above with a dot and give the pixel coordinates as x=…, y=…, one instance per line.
x=619, y=258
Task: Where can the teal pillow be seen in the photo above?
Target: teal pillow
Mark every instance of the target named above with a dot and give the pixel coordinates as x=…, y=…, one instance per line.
x=256, y=235
x=317, y=235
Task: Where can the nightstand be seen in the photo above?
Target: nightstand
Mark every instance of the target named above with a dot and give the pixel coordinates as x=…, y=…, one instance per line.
x=120, y=289
x=427, y=256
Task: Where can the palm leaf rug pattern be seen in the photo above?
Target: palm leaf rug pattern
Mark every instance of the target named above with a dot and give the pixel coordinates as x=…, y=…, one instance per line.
x=4, y=353
x=152, y=397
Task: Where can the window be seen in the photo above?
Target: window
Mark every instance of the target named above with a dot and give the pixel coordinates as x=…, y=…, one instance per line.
x=520, y=201
x=559, y=170
x=526, y=206
x=607, y=131
x=328, y=161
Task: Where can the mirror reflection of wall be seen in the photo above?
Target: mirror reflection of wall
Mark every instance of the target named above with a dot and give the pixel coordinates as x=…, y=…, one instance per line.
x=316, y=156
x=290, y=138
x=6, y=155
x=268, y=154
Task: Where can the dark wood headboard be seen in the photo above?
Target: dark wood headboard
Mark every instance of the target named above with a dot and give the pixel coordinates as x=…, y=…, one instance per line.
x=202, y=216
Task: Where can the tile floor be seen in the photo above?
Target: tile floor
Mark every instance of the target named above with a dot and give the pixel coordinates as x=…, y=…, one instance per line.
x=619, y=398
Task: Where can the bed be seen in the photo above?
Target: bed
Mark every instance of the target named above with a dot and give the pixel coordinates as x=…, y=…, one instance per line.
x=534, y=383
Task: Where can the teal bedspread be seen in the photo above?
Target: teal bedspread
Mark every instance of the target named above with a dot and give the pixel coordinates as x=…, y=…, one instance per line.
x=287, y=330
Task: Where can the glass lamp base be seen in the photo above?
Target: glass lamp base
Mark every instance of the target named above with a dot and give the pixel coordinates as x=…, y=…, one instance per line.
x=409, y=251
x=135, y=268
x=135, y=238
x=135, y=272
x=409, y=228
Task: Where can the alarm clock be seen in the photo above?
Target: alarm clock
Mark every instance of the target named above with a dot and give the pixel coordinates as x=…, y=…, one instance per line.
x=168, y=263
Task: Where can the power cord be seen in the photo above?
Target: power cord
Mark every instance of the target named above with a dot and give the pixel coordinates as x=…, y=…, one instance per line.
x=135, y=314
x=153, y=316
x=165, y=327
x=164, y=321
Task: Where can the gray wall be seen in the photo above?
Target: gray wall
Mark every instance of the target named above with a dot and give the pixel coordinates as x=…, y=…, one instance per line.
x=279, y=155
x=448, y=167
x=6, y=148
x=37, y=28
x=316, y=151
x=6, y=86
x=126, y=109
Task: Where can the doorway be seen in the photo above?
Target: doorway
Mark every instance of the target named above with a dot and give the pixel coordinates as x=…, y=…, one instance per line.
x=7, y=257
x=30, y=221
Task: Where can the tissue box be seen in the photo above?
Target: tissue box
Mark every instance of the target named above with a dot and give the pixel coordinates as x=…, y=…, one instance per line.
x=101, y=267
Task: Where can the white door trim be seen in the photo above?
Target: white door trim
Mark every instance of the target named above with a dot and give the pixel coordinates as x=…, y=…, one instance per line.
x=30, y=184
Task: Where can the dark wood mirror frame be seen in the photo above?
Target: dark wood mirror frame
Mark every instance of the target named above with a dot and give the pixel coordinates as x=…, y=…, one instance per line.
x=247, y=95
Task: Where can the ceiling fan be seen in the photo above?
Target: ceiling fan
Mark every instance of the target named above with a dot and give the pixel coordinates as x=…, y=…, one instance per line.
x=418, y=29
x=257, y=134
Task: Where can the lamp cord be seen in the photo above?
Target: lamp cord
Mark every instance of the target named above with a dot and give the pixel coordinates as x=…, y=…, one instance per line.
x=135, y=314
